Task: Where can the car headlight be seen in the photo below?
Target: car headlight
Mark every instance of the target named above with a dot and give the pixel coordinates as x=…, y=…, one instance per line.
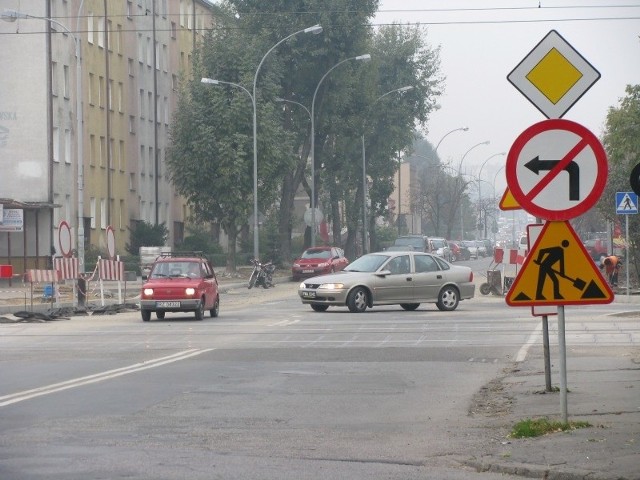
x=190, y=291
x=296, y=265
x=148, y=292
x=331, y=286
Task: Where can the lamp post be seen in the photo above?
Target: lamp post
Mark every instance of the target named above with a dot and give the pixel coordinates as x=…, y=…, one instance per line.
x=12, y=16
x=486, y=142
x=480, y=190
x=256, y=237
x=463, y=129
x=365, y=58
x=364, y=168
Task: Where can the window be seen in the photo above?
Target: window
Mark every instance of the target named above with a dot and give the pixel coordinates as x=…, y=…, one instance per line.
x=150, y=105
x=108, y=34
x=92, y=149
x=141, y=106
x=149, y=52
x=173, y=30
x=103, y=150
x=90, y=28
x=182, y=9
x=121, y=215
x=157, y=56
x=132, y=124
x=67, y=146
x=92, y=88
x=92, y=203
x=111, y=95
x=65, y=72
x=100, y=91
x=101, y=31
x=120, y=95
x=151, y=162
x=132, y=182
x=56, y=144
x=166, y=111
x=119, y=39
x=165, y=58
x=130, y=67
x=129, y=9
x=425, y=263
x=121, y=156
x=114, y=152
x=140, y=49
x=142, y=163
x=189, y=18
x=103, y=214
x=174, y=82
x=54, y=79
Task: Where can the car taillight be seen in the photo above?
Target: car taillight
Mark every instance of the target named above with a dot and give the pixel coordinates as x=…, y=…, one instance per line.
x=471, y=276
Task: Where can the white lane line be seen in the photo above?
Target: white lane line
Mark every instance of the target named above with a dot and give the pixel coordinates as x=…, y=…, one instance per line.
x=533, y=338
x=98, y=377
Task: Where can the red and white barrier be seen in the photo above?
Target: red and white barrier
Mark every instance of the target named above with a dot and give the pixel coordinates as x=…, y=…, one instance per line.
x=110, y=269
x=510, y=256
x=67, y=268
x=42, y=276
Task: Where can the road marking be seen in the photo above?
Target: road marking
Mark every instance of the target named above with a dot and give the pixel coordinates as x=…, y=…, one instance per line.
x=98, y=377
x=533, y=338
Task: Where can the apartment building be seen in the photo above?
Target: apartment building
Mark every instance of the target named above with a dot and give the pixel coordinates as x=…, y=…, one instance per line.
x=91, y=154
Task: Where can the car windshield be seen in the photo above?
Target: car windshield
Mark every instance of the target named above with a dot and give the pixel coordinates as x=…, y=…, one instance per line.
x=367, y=263
x=414, y=242
x=437, y=243
x=469, y=244
x=316, y=254
x=175, y=269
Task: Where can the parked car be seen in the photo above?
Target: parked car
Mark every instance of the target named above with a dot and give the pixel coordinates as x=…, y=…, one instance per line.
x=472, y=246
x=440, y=247
x=458, y=251
x=390, y=278
x=419, y=243
x=318, y=261
x=488, y=245
x=180, y=282
x=481, y=248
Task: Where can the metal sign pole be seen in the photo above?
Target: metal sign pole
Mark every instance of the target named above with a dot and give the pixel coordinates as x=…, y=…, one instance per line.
x=626, y=256
x=563, y=364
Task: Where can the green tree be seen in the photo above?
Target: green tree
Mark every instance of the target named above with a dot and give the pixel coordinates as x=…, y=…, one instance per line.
x=622, y=144
x=144, y=234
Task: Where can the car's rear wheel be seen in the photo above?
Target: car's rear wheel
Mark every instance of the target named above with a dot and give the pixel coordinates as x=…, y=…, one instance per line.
x=160, y=314
x=316, y=307
x=146, y=315
x=200, y=310
x=448, y=299
x=357, y=300
x=215, y=311
x=409, y=306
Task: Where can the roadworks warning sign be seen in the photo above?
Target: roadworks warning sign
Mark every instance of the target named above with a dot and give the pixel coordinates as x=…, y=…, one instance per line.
x=558, y=271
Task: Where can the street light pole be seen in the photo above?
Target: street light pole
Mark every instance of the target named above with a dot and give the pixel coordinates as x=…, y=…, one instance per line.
x=365, y=58
x=256, y=237
x=463, y=129
x=364, y=168
x=479, y=188
x=12, y=16
x=486, y=142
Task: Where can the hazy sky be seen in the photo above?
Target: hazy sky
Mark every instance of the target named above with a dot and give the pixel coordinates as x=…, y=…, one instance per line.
x=482, y=41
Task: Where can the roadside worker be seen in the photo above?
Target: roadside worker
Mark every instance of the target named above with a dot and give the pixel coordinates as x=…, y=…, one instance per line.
x=611, y=266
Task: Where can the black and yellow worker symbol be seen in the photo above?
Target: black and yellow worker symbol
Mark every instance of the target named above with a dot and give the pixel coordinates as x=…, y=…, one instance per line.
x=558, y=271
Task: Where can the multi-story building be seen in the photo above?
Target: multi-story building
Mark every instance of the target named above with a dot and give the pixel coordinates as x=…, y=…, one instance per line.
x=91, y=154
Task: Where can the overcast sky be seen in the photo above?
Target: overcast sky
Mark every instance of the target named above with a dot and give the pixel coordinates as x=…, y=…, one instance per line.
x=482, y=41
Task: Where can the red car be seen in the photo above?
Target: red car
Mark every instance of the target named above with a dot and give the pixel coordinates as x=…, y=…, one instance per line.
x=318, y=261
x=180, y=282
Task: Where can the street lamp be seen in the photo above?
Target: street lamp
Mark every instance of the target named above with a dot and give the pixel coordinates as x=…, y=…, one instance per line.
x=365, y=58
x=256, y=238
x=486, y=142
x=479, y=181
x=12, y=16
x=364, y=168
x=463, y=129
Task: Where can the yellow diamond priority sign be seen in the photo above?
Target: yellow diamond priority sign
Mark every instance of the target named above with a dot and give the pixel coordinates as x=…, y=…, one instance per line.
x=558, y=271
x=553, y=76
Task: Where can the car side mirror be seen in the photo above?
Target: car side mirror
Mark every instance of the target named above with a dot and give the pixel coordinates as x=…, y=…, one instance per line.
x=383, y=273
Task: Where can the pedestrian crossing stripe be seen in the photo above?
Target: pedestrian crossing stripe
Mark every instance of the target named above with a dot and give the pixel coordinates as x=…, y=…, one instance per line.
x=626, y=203
x=558, y=271
x=508, y=201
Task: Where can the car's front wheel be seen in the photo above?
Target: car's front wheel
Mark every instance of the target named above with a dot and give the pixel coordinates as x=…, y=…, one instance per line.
x=448, y=299
x=200, y=310
x=146, y=315
x=215, y=311
x=316, y=307
x=409, y=306
x=357, y=300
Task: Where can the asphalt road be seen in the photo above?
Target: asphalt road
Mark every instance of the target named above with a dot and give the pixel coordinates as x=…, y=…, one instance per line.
x=269, y=390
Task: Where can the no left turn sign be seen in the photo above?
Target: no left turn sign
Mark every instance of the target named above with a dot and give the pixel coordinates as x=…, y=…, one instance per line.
x=556, y=169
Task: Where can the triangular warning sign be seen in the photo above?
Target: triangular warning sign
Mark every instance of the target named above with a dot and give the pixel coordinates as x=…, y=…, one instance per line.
x=558, y=271
x=508, y=201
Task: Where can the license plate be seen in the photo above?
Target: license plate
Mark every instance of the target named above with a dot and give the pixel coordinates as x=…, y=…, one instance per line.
x=309, y=294
x=168, y=304
x=307, y=271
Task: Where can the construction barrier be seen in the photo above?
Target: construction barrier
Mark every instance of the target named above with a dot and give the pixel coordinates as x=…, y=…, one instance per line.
x=67, y=268
x=509, y=256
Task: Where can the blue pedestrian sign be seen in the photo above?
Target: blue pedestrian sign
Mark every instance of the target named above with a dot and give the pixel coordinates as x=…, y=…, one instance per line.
x=626, y=203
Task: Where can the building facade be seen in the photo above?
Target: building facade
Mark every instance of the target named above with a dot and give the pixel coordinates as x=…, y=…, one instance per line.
x=91, y=154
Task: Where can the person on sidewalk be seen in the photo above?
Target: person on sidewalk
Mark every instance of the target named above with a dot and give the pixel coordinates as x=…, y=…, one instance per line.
x=611, y=266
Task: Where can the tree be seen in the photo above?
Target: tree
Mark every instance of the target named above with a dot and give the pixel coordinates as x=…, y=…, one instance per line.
x=144, y=234
x=622, y=144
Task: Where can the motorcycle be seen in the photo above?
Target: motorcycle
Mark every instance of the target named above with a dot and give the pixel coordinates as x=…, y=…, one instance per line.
x=262, y=274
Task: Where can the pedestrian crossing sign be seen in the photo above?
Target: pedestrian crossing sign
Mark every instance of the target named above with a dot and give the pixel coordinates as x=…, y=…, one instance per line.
x=626, y=203
x=558, y=271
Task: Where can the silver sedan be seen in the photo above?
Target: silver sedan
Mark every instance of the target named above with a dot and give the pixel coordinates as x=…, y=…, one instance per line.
x=390, y=278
